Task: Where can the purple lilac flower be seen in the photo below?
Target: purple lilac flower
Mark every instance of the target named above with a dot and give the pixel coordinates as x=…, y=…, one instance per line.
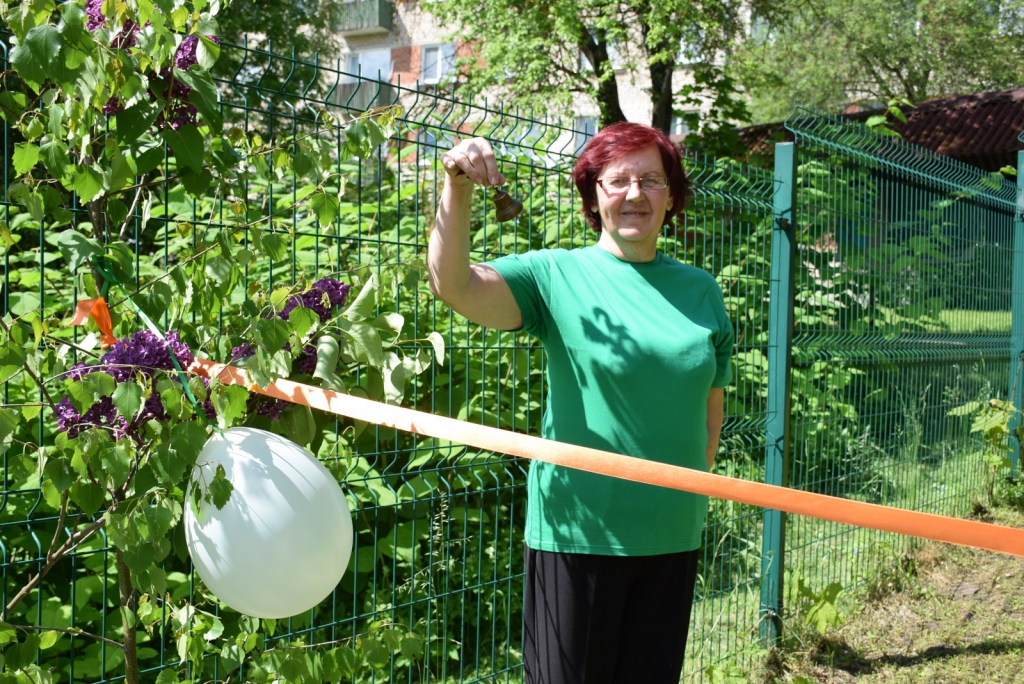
x=323, y=297
x=242, y=351
x=306, y=362
x=113, y=106
x=145, y=351
x=180, y=115
x=186, y=53
x=128, y=37
x=185, y=56
x=94, y=10
x=266, y=406
x=140, y=354
x=101, y=414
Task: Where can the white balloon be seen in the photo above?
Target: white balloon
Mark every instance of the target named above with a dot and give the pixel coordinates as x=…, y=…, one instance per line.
x=282, y=543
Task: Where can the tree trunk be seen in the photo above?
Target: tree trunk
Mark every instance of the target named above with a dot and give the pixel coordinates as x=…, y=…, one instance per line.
x=661, y=95
x=607, y=91
x=124, y=585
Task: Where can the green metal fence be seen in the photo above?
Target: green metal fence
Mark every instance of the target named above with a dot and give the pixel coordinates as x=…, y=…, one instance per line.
x=901, y=266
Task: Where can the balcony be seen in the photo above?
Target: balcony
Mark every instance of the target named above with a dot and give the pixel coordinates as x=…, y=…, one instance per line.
x=365, y=17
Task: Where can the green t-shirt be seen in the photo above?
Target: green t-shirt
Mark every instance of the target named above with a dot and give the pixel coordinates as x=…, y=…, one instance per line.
x=632, y=352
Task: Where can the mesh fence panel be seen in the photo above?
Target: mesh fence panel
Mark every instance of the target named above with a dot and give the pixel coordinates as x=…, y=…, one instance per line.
x=902, y=308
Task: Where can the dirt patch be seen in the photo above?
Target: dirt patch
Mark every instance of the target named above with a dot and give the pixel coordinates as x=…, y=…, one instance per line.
x=959, y=620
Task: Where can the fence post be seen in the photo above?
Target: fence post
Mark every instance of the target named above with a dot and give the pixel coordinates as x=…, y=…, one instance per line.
x=780, y=339
x=1017, y=315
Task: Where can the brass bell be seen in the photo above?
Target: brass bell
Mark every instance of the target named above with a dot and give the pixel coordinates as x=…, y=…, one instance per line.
x=506, y=207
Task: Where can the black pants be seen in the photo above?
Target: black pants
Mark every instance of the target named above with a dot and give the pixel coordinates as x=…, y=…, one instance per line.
x=606, y=619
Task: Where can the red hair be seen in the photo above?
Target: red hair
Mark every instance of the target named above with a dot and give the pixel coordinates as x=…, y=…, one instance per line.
x=616, y=141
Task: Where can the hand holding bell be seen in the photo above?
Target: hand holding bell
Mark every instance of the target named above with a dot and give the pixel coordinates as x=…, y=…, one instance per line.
x=475, y=158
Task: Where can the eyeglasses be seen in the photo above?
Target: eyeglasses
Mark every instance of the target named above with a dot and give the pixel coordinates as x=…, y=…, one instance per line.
x=617, y=185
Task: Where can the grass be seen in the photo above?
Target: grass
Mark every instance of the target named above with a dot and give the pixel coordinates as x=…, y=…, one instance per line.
x=976, y=321
x=946, y=614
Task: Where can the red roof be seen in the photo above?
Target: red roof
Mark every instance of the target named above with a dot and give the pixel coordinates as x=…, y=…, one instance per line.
x=980, y=129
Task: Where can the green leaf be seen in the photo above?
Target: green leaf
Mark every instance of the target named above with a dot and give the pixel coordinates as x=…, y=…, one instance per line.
x=325, y=207
x=34, y=57
x=88, y=182
x=203, y=95
x=188, y=439
x=116, y=464
x=231, y=656
x=127, y=399
x=135, y=120
x=299, y=424
x=12, y=360
x=412, y=646
x=87, y=495
x=12, y=105
x=272, y=333
x=9, y=420
x=302, y=320
x=90, y=389
x=392, y=322
x=365, y=303
x=168, y=465
x=437, y=342
x=376, y=654
x=196, y=183
x=347, y=661
x=187, y=144
x=26, y=156
x=155, y=301
x=366, y=342
x=7, y=633
x=54, y=154
x=220, y=488
x=119, y=175
x=394, y=378
x=275, y=246
x=59, y=473
x=392, y=638
x=207, y=52
x=167, y=676
x=327, y=352
x=72, y=25
x=965, y=409
x=76, y=248
x=219, y=269
x=229, y=401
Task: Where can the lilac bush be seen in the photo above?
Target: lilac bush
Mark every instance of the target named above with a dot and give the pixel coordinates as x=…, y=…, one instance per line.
x=142, y=356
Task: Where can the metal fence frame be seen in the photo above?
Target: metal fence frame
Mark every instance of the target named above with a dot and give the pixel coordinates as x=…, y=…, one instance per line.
x=760, y=234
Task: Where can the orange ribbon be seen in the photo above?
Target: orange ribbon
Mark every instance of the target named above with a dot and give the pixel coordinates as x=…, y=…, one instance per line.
x=98, y=311
x=925, y=525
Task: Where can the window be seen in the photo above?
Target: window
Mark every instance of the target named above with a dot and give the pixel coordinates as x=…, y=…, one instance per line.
x=438, y=62
x=680, y=126
x=358, y=89
x=372, y=64
x=586, y=127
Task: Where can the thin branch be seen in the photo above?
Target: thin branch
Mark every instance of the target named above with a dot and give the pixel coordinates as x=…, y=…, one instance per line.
x=73, y=541
x=128, y=218
x=60, y=524
x=72, y=632
x=32, y=375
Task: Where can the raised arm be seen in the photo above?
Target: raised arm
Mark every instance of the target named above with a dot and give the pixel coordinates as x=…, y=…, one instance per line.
x=476, y=291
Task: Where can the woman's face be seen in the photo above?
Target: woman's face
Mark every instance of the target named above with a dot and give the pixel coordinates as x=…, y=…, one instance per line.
x=633, y=215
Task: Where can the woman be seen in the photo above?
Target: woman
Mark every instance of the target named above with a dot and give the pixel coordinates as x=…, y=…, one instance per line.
x=638, y=349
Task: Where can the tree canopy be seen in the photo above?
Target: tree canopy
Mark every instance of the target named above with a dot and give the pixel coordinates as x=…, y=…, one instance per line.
x=547, y=55
x=831, y=53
